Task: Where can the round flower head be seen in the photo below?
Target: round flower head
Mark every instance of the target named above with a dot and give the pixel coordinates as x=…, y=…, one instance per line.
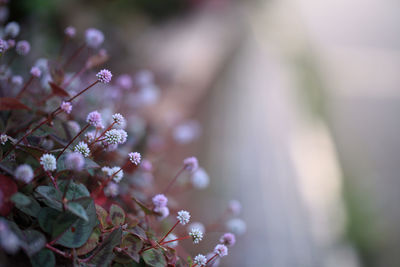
x=221, y=250
x=197, y=225
x=106, y=170
x=24, y=173
x=74, y=161
x=48, y=162
x=94, y=38
x=236, y=226
x=119, y=174
x=235, y=207
x=196, y=235
x=191, y=164
x=113, y=137
x=135, y=157
x=164, y=212
x=94, y=118
x=160, y=201
x=23, y=48
x=36, y=72
x=124, y=81
x=3, y=139
x=118, y=119
x=200, y=179
x=228, y=239
x=66, y=107
x=200, y=260
x=3, y=46
x=183, y=217
x=17, y=80
x=70, y=32
x=82, y=148
x=12, y=29
x=104, y=76
x=170, y=237
x=111, y=190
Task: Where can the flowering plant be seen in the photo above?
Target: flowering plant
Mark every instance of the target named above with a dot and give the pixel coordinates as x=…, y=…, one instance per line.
x=60, y=201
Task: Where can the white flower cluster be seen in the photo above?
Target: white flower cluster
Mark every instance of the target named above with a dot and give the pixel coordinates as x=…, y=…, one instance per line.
x=82, y=148
x=118, y=174
x=183, y=217
x=197, y=235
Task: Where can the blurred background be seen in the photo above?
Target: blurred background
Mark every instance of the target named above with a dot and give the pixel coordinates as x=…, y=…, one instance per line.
x=294, y=105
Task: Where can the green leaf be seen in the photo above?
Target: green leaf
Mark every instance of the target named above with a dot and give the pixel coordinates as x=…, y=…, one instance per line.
x=80, y=230
x=133, y=244
x=34, y=241
x=117, y=215
x=50, y=196
x=103, y=255
x=90, y=244
x=44, y=258
x=26, y=204
x=74, y=190
x=102, y=216
x=139, y=232
x=54, y=222
x=20, y=199
x=154, y=258
x=53, y=197
x=78, y=210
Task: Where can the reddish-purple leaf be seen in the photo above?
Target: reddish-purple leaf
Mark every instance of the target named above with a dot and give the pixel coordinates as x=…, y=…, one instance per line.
x=57, y=90
x=10, y=103
x=7, y=188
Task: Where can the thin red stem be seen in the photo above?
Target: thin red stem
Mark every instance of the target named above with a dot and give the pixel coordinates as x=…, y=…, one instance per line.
x=81, y=92
x=212, y=258
x=105, y=183
x=64, y=42
x=97, y=139
x=178, y=239
x=73, y=139
x=53, y=114
x=26, y=85
x=74, y=55
x=173, y=181
x=165, y=236
x=62, y=253
x=77, y=74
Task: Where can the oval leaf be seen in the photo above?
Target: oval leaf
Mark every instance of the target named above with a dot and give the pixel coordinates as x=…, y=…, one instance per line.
x=44, y=258
x=78, y=210
x=10, y=103
x=117, y=215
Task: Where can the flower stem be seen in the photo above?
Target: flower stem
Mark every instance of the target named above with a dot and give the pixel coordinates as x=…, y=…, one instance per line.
x=74, y=55
x=51, y=116
x=177, y=239
x=212, y=258
x=26, y=85
x=173, y=180
x=73, y=139
x=62, y=253
x=97, y=139
x=77, y=74
x=173, y=227
x=81, y=92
